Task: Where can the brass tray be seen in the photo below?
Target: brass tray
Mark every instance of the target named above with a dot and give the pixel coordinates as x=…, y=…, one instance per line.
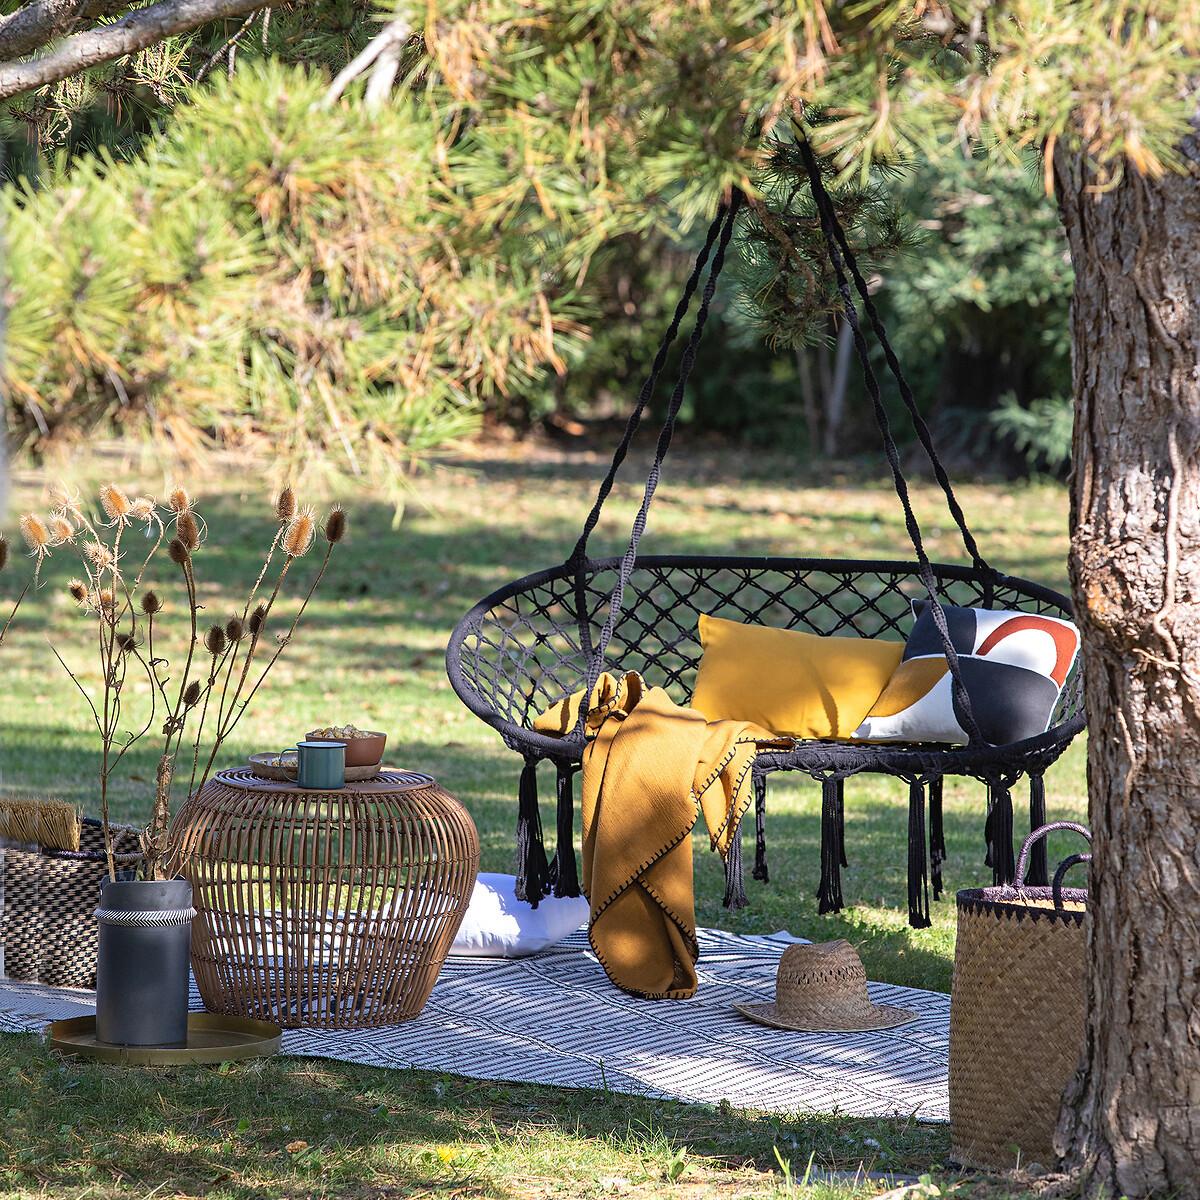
x=211, y=1039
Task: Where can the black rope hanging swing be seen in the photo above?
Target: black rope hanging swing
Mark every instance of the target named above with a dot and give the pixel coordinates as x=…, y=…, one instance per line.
x=552, y=633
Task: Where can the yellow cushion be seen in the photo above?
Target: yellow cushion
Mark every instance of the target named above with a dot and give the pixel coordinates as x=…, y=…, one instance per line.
x=796, y=684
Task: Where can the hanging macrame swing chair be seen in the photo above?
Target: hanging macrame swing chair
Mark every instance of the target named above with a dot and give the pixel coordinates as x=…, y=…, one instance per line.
x=550, y=634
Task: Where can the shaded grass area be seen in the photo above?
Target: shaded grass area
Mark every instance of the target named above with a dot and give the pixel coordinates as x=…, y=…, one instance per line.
x=371, y=652
x=294, y=1127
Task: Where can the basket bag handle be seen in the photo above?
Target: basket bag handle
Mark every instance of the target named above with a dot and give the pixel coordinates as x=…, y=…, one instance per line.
x=1063, y=867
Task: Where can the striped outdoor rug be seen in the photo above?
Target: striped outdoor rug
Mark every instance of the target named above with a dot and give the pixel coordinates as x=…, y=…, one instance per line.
x=555, y=1019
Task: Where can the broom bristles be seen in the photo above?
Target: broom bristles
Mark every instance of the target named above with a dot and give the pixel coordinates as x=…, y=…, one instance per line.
x=52, y=824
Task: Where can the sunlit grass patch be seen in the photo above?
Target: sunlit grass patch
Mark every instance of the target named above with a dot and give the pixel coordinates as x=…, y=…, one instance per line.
x=371, y=654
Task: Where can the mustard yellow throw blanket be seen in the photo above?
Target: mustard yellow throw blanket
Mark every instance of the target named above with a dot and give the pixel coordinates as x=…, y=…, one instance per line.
x=649, y=768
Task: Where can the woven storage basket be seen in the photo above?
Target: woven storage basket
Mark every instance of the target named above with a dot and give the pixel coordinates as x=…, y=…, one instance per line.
x=1017, y=1013
x=47, y=927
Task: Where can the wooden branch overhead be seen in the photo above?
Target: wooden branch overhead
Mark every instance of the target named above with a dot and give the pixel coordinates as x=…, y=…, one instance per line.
x=90, y=48
x=38, y=23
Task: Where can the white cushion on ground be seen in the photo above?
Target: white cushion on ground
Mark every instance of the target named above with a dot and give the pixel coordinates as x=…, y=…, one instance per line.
x=498, y=925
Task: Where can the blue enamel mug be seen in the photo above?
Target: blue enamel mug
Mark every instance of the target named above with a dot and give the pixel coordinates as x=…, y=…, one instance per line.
x=321, y=765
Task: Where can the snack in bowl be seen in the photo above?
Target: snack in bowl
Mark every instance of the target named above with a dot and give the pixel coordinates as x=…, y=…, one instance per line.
x=363, y=748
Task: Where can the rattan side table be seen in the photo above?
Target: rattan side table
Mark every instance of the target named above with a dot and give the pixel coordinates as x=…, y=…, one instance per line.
x=324, y=910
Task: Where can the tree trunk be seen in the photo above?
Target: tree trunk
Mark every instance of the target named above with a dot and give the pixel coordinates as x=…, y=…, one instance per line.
x=1131, y=1118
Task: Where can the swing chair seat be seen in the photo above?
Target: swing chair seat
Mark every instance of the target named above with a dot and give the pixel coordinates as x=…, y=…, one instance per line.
x=520, y=649
x=527, y=645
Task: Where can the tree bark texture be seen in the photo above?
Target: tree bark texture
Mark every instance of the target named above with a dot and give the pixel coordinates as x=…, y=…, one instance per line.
x=133, y=32
x=1131, y=1119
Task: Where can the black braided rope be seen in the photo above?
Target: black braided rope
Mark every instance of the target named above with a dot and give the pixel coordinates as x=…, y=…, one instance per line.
x=906, y=394
x=829, y=224
x=596, y=666
x=579, y=554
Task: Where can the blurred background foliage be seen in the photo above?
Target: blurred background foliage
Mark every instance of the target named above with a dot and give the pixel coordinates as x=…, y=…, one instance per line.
x=201, y=248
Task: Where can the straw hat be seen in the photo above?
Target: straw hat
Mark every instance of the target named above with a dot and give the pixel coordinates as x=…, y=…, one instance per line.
x=822, y=988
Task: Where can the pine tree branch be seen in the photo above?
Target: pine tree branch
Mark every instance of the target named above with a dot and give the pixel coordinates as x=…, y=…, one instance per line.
x=380, y=56
x=36, y=24
x=133, y=32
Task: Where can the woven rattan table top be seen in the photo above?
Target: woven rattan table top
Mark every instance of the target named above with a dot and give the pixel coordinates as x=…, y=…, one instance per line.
x=388, y=782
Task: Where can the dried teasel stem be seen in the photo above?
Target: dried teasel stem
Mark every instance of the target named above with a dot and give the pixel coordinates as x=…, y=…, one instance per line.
x=12, y=615
x=61, y=530
x=187, y=530
x=258, y=618
x=284, y=638
x=115, y=503
x=36, y=534
x=301, y=530
x=335, y=524
x=285, y=506
x=205, y=702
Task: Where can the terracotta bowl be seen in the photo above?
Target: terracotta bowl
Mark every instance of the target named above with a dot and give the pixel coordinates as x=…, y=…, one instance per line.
x=363, y=751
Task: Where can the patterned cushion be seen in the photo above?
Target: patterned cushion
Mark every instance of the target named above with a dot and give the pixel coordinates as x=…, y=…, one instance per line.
x=1014, y=665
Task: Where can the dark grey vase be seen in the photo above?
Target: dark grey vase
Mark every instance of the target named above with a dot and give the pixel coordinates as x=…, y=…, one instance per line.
x=142, y=962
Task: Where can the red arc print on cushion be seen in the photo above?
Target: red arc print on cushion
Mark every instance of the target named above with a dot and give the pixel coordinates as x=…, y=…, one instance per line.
x=1064, y=641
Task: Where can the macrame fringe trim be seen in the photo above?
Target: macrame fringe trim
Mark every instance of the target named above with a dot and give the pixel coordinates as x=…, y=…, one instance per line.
x=760, y=830
x=999, y=833
x=937, y=836
x=735, y=888
x=533, y=871
x=1039, y=871
x=564, y=870
x=918, y=872
x=829, y=893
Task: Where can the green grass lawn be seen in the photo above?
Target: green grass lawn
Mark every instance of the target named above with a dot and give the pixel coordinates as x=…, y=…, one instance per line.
x=371, y=653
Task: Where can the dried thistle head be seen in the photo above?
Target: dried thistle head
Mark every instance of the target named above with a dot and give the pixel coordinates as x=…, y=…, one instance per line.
x=214, y=641
x=3, y=552
x=151, y=603
x=36, y=534
x=178, y=552
x=142, y=509
x=191, y=694
x=335, y=524
x=285, y=506
x=299, y=535
x=78, y=591
x=66, y=502
x=234, y=629
x=258, y=618
x=99, y=555
x=61, y=530
x=188, y=530
x=106, y=602
x=179, y=501
x=126, y=642
x=115, y=502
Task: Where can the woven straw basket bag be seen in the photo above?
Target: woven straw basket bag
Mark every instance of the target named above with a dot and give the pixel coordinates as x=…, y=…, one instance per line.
x=1017, y=1012
x=48, y=932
